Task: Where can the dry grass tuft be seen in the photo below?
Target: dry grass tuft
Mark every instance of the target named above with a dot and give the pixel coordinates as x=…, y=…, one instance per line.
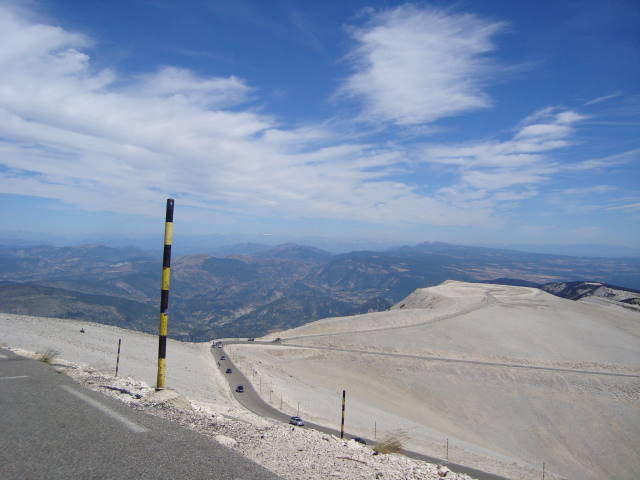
x=392, y=443
x=48, y=356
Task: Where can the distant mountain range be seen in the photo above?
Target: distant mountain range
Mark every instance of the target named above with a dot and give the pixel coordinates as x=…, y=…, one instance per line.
x=248, y=244
x=581, y=250
x=251, y=289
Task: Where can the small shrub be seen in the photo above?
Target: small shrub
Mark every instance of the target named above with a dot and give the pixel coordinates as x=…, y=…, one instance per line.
x=392, y=443
x=48, y=356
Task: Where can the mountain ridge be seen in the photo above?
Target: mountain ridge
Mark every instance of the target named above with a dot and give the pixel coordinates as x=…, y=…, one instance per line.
x=290, y=284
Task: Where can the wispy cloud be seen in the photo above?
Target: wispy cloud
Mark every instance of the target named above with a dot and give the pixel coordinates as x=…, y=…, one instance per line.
x=415, y=65
x=580, y=191
x=104, y=140
x=180, y=84
x=101, y=140
x=629, y=206
x=524, y=159
x=608, y=161
x=603, y=98
x=304, y=28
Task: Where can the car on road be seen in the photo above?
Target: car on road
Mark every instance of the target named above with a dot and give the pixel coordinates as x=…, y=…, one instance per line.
x=251, y=339
x=222, y=357
x=239, y=389
x=360, y=440
x=296, y=421
x=228, y=370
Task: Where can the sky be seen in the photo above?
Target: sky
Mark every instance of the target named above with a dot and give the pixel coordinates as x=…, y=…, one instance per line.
x=466, y=122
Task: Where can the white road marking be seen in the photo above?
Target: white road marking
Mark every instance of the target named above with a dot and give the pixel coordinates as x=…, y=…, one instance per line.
x=13, y=378
x=134, y=427
x=3, y=355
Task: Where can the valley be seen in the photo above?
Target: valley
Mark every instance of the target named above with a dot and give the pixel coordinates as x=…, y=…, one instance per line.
x=253, y=291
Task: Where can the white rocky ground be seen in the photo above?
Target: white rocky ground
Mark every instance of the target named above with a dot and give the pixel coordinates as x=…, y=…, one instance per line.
x=501, y=418
x=205, y=403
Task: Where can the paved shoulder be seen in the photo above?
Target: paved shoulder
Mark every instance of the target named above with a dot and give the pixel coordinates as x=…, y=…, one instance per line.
x=51, y=428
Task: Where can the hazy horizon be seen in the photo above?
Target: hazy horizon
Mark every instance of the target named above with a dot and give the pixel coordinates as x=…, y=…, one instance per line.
x=190, y=244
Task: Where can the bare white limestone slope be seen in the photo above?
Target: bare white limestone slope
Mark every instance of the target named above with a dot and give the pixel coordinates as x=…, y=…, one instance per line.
x=512, y=376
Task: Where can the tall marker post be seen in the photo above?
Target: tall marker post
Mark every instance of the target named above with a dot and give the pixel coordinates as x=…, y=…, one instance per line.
x=344, y=393
x=164, y=295
x=118, y=357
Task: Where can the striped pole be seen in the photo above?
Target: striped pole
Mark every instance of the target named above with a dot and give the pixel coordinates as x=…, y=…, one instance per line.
x=118, y=359
x=344, y=393
x=164, y=295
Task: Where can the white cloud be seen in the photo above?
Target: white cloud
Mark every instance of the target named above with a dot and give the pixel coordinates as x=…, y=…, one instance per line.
x=608, y=161
x=579, y=191
x=523, y=160
x=603, y=98
x=101, y=140
x=629, y=206
x=182, y=84
x=415, y=65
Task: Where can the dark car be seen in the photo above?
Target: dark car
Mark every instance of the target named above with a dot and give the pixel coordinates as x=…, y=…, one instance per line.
x=222, y=357
x=239, y=389
x=251, y=340
x=228, y=370
x=360, y=440
x=296, y=421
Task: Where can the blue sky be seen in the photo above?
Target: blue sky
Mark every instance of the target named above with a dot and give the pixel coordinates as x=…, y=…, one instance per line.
x=467, y=122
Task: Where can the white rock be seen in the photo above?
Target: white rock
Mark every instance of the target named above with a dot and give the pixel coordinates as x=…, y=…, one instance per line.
x=226, y=441
x=442, y=471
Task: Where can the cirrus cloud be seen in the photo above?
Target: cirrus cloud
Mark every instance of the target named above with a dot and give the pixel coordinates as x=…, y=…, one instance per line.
x=103, y=140
x=415, y=65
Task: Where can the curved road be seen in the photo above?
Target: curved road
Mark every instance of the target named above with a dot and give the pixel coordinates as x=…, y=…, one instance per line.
x=442, y=359
x=252, y=402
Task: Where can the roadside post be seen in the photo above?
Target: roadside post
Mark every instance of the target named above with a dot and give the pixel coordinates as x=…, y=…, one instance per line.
x=118, y=357
x=164, y=295
x=344, y=393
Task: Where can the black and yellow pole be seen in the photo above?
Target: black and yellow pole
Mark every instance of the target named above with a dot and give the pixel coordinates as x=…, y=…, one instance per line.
x=344, y=393
x=164, y=295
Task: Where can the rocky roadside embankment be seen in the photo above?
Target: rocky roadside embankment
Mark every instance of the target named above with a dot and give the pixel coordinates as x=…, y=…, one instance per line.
x=291, y=452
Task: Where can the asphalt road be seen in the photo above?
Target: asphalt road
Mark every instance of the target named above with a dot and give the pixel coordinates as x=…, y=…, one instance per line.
x=51, y=428
x=253, y=402
x=286, y=343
